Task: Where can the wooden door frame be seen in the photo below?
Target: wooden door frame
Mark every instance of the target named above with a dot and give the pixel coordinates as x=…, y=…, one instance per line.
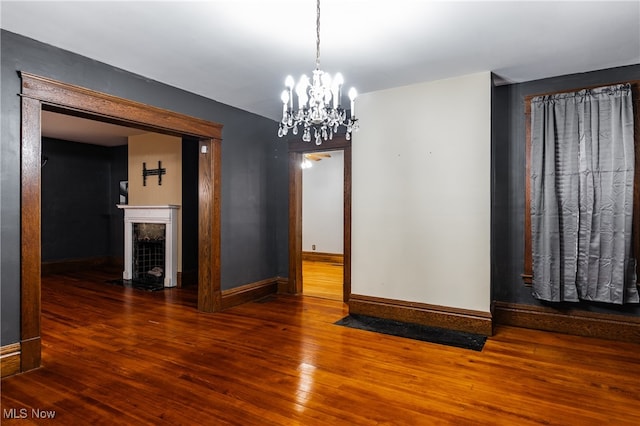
x=41, y=93
x=296, y=150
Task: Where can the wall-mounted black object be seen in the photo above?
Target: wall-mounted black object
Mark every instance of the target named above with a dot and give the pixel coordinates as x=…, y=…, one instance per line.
x=153, y=172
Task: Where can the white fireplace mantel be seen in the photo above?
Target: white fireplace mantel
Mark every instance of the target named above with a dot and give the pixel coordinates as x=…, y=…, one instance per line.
x=166, y=214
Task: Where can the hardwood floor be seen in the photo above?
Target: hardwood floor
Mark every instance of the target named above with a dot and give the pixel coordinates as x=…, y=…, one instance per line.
x=322, y=279
x=120, y=356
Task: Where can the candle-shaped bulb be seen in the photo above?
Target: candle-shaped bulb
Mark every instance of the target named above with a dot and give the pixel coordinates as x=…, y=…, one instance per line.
x=285, y=97
x=301, y=91
x=352, y=96
x=288, y=82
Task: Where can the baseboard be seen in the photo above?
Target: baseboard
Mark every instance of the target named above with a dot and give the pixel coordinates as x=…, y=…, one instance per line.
x=9, y=360
x=315, y=256
x=68, y=265
x=421, y=313
x=249, y=292
x=283, y=285
x=569, y=321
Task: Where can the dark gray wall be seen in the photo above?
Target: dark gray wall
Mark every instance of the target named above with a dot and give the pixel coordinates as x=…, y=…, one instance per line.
x=278, y=176
x=189, y=206
x=119, y=165
x=252, y=171
x=508, y=176
x=79, y=193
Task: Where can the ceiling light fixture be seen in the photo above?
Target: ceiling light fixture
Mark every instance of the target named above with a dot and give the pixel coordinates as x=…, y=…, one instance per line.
x=318, y=103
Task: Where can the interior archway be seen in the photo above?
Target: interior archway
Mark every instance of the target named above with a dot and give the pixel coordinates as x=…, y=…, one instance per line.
x=40, y=93
x=296, y=149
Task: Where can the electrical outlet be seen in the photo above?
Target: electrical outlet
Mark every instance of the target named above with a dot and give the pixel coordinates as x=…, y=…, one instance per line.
x=313, y=247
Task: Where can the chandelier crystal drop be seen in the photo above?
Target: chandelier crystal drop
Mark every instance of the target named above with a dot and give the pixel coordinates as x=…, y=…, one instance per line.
x=319, y=110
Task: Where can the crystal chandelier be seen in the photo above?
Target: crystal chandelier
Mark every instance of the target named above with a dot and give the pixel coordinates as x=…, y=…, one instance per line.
x=319, y=108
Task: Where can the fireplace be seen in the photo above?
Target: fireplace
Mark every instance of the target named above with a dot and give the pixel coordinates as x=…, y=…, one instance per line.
x=151, y=244
x=149, y=252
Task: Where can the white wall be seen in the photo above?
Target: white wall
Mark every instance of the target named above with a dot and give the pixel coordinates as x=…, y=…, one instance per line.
x=322, y=205
x=421, y=193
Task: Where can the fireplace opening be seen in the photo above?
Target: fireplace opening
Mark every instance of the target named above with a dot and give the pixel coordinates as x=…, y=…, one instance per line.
x=149, y=241
x=151, y=246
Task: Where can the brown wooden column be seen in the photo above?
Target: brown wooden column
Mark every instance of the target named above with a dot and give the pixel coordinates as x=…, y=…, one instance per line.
x=295, y=223
x=209, y=293
x=30, y=236
x=346, y=239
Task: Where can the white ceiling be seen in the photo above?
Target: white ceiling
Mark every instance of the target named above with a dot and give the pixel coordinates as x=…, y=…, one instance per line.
x=76, y=129
x=239, y=51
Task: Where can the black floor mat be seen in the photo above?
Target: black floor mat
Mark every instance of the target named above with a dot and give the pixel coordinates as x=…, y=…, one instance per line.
x=424, y=333
x=138, y=285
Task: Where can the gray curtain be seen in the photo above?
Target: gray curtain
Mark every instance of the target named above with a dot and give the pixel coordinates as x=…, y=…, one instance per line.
x=582, y=172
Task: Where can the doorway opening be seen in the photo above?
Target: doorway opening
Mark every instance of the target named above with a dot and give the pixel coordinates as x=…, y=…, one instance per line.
x=40, y=93
x=297, y=150
x=86, y=166
x=322, y=224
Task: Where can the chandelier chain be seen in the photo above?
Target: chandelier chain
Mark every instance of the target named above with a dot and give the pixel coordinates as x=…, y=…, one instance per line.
x=318, y=35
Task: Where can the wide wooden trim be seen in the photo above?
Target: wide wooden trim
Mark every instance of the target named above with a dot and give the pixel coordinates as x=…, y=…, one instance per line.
x=9, y=360
x=9, y=349
x=30, y=245
x=339, y=142
x=40, y=93
x=209, y=296
x=283, y=285
x=296, y=150
x=569, y=321
x=421, y=313
x=114, y=109
x=346, y=225
x=30, y=353
x=295, y=223
x=527, y=274
x=249, y=292
x=318, y=256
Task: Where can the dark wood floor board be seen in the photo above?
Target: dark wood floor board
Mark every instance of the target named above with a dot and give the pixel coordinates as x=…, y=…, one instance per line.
x=563, y=364
x=537, y=402
x=114, y=355
x=186, y=396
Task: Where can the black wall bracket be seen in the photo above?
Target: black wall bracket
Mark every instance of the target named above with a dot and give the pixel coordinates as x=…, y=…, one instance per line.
x=153, y=172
